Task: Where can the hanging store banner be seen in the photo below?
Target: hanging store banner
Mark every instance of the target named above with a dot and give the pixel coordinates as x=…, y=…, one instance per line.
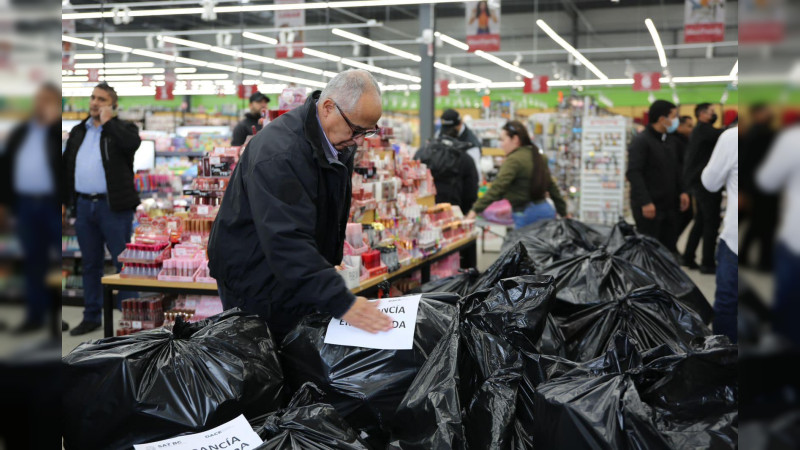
x=647, y=81
x=483, y=25
x=246, y=90
x=67, y=48
x=442, y=88
x=704, y=21
x=165, y=92
x=761, y=22
x=93, y=75
x=290, y=39
x=536, y=85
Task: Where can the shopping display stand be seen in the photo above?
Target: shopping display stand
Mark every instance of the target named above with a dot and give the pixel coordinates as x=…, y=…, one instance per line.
x=466, y=246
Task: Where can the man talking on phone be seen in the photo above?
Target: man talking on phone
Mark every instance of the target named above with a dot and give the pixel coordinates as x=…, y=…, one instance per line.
x=99, y=190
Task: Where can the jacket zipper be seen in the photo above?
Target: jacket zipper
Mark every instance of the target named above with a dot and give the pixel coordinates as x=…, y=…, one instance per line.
x=105, y=148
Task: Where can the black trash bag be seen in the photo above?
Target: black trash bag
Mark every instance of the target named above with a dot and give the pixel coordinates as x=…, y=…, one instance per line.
x=513, y=262
x=553, y=341
x=629, y=399
x=545, y=252
x=650, y=315
x=561, y=230
x=308, y=423
x=365, y=385
x=466, y=394
x=650, y=255
x=594, y=278
x=457, y=284
x=154, y=385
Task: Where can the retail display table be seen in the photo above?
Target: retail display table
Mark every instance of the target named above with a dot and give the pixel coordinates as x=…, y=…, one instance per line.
x=466, y=246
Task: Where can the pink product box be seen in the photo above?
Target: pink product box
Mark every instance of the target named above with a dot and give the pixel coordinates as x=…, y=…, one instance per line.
x=179, y=270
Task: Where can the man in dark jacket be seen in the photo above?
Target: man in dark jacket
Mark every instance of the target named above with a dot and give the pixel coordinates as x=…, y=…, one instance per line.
x=258, y=102
x=98, y=176
x=280, y=230
x=657, y=192
x=707, y=204
x=453, y=171
x=453, y=125
x=30, y=172
x=682, y=137
x=760, y=207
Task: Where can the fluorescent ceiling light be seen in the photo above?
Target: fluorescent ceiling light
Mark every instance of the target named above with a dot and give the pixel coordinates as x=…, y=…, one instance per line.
x=461, y=73
x=735, y=70
x=252, y=72
x=149, y=54
x=578, y=55
x=501, y=63
x=114, y=47
x=319, y=54
x=185, y=70
x=258, y=37
x=375, y=69
x=702, y=79
x=375, y=44
x=184, y=42
x=75, y=40
x=88, y=56
x=605, y=82
x=203, y=76
x=115, y=65
x=300, y=67
x=249, y=8
x=190, y=61
x=662, y=57
x=451, y=41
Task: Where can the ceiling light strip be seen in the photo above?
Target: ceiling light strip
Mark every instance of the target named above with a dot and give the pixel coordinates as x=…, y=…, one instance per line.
x=651, y=27
x=578, y=55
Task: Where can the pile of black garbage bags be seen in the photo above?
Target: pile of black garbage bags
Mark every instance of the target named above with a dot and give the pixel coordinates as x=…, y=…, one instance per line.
x=576, y=337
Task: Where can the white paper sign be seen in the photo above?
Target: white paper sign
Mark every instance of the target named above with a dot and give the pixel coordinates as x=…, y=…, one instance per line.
x=234, y=435
x=402, y=310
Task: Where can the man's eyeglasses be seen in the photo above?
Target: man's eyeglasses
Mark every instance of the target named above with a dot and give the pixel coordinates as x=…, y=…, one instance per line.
x=357, y=130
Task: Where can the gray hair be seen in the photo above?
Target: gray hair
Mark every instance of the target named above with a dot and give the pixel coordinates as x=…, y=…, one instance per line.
x=347, y=87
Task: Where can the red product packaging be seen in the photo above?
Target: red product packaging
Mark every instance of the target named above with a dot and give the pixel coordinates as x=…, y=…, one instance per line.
x=371, y=259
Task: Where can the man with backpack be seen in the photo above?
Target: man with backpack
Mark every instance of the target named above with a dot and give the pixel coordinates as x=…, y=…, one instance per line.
x=453, y=170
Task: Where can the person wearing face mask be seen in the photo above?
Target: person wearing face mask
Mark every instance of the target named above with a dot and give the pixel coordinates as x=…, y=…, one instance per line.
x=280, y=229
x=707, y=204
x=524, y=180
x=682, y=136
x=657, y=191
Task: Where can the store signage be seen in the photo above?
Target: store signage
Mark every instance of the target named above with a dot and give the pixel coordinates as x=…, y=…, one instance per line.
x=536, y=85
x=146, y=80
x=704, y=21
x=761, y=22
x=93, y=75
x=402, y=311
x=647, y=81
x=246, y=90
x=234, y=435
x=67, y=48
x=442, y=88
x=165, y=92
x=483, y=25
x=290, y=40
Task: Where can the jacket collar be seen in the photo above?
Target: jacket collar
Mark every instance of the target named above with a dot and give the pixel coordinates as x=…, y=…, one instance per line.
x=660, y=136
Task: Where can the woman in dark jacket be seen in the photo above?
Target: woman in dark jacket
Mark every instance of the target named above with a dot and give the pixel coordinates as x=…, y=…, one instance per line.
x=524, y=180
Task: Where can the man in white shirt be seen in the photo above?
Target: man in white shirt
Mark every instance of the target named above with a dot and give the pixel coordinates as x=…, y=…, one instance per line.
x=723, y=170
x=781, y=171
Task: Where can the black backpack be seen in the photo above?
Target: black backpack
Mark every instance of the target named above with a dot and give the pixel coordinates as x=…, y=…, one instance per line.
x=443, y=156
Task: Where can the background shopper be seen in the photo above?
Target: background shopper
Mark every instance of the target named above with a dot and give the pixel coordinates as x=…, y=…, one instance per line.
x=98, y=172
x=452, y=168
x=723, y=171
x=707, y=204
x=524, y=180
x=258, y=102
x=657, y=193
x=31, y=175
x=453, y=125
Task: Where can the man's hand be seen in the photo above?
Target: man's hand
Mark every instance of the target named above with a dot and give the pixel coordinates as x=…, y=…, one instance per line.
x=685, y=200
x=649, y=211
x=366, y=316
x=106, y=113
x=471, y=215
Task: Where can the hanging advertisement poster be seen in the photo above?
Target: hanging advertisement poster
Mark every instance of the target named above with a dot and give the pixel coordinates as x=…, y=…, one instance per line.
x=67, y=48
x=535, y=85
x=761, y=22
x=704, y=21
x=647, y=81
x=290, y=39
x=483, y=25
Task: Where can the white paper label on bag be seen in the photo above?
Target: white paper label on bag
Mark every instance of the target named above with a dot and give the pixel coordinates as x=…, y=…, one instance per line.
x=402, y=311
x=234, y=435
